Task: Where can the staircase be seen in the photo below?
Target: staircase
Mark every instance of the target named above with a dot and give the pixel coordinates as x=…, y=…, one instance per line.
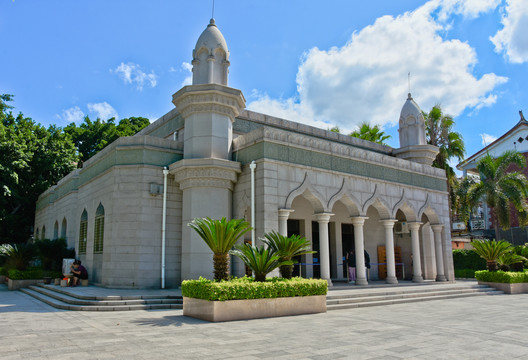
x=62, y=299
x=399, y=295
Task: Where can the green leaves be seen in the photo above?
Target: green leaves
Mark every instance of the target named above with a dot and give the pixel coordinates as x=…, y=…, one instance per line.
x=220, y=235
x=260, y=260
x=370, y=133
x=491, y=250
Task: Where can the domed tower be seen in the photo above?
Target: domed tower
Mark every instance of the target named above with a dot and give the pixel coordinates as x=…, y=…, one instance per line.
x=206, y=175
x=210, y=57
x=413, y=145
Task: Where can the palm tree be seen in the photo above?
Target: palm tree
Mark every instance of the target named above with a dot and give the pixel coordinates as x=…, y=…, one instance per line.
x=370, y=133
x=508, y=259
x=501, y=188
x=491, y=250
x=18, y=255
x=439, y=132
x=260, y=260
x=220, y=235
x=287, y=248
x=460, y=202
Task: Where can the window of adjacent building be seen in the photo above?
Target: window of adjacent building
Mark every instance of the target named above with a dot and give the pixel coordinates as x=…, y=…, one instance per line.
x=83, y=232
x=56, y=230
x=99, y=230
x=64, y=228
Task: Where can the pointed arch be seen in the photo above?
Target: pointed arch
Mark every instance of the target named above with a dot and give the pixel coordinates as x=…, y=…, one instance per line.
x=377, y=201
x=406, y=208
x=308, y=191
x=56, y=230
x=64, y=228
x=83, y=232
x=428, y=211
x=43, y=235
x=99, y=229
x=345, y=196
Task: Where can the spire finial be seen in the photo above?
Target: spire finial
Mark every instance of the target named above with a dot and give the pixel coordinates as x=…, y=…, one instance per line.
x=409, y=82
x=212, y=14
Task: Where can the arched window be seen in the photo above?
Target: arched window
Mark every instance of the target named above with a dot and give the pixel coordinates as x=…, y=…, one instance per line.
x=83, y=232
x=37, y=234
x=43, y=236
x=99, y=230
x=56, y=230
x=64, y=228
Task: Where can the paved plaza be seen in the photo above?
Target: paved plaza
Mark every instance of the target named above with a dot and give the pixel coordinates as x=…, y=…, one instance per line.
x=482, y=327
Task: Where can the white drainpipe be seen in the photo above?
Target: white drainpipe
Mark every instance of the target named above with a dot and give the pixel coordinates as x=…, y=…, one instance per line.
x=163, y=225
x=253, y=166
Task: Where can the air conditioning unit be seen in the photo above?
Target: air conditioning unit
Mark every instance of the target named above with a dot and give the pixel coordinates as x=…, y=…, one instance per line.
x=401, y=227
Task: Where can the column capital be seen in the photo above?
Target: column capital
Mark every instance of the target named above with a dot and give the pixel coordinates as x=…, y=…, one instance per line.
x=388, y=223
x=190, y=173
x=414, y=226
x=437, y=227
x=285, y=212
x=323, y=217
x=358, y=220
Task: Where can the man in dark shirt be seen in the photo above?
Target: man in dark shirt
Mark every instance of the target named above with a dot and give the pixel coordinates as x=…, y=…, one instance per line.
x=79, y=272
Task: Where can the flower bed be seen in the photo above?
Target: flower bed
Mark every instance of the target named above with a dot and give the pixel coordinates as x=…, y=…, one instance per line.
x=245, y=298
x=507, y=281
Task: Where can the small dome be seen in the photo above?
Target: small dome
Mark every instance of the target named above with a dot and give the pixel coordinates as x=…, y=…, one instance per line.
x=411, y=109
x=211, y=39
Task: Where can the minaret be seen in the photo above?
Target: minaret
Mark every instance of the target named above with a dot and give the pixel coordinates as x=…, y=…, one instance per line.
x=206, y=175
x=413, y=145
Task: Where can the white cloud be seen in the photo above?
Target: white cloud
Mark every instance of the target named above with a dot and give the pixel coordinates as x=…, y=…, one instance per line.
x=466, y=8
x=103, y=111
x=131, y=73
x=73, y=114
x=187, y=68
x=512, y=39
x=487, y=139
x=366, y=79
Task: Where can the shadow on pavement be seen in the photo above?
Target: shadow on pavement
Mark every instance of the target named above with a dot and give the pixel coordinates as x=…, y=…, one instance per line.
x=176, y=320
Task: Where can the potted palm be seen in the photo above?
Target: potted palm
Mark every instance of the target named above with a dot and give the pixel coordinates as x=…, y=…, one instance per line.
x=247, y=298
x=287, y=248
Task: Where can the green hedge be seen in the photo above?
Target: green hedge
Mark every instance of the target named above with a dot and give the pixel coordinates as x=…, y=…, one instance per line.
x=507, y=277
x=468, y=259
x=247, y=288
x=464, y=273
x=32, y=273
x=3, y=271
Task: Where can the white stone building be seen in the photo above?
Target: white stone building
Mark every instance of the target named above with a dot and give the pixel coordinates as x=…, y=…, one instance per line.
x=127, y=208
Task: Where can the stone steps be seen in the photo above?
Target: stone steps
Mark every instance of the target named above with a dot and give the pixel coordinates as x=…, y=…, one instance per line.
x=62, y=299
x=405, y=295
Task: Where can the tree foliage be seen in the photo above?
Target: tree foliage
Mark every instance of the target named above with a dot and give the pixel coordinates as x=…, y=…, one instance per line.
x=90, y=137
x=501, y=188
x=370, y=133
x=32, y=158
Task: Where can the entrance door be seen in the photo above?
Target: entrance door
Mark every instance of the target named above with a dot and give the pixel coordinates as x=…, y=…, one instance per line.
x=315, y=247
x=294, y=228
x=347, y=235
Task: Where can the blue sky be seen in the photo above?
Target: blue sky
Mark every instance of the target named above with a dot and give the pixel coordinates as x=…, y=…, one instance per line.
x=322, y=63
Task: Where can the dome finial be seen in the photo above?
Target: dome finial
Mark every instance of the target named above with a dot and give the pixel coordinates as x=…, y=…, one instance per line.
x=212, y=22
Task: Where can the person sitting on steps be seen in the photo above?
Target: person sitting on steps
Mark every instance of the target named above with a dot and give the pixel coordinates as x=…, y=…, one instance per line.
x=79, y=272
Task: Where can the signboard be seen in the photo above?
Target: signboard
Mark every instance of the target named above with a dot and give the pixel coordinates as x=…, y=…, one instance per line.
x=477, y=225
x=459, y=226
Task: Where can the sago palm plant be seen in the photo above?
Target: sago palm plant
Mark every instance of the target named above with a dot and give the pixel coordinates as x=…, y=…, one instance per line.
x=508, y=259
x=287, y=248
x=18, y=255
x=220, y=235
x=260, y=260
x=491, y=250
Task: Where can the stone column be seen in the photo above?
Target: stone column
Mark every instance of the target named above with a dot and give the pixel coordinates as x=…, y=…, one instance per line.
x=388, y=224
x=324, y=246
x=415, y=242
x=201, y=182
x=284, y=214
x=359, y=247
x=437, y=230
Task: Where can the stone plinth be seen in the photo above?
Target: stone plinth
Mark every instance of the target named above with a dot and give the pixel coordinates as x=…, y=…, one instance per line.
x=254, y=308
x=423, y=154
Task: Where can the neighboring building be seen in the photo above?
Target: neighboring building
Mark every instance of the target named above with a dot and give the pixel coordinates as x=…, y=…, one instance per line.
x=481, y=222
x=337, y=191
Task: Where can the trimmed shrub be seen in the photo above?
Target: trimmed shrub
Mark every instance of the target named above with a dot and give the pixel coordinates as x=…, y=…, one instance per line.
x=246, y=288
x=3, y=271
x=32, y=273
x=465, y=273
x=468, y=259
x=502, y=276
x=51, y=252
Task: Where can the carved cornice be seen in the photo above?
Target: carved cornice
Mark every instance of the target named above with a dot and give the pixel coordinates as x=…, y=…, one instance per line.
x=202, y=173
x=209, y=98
